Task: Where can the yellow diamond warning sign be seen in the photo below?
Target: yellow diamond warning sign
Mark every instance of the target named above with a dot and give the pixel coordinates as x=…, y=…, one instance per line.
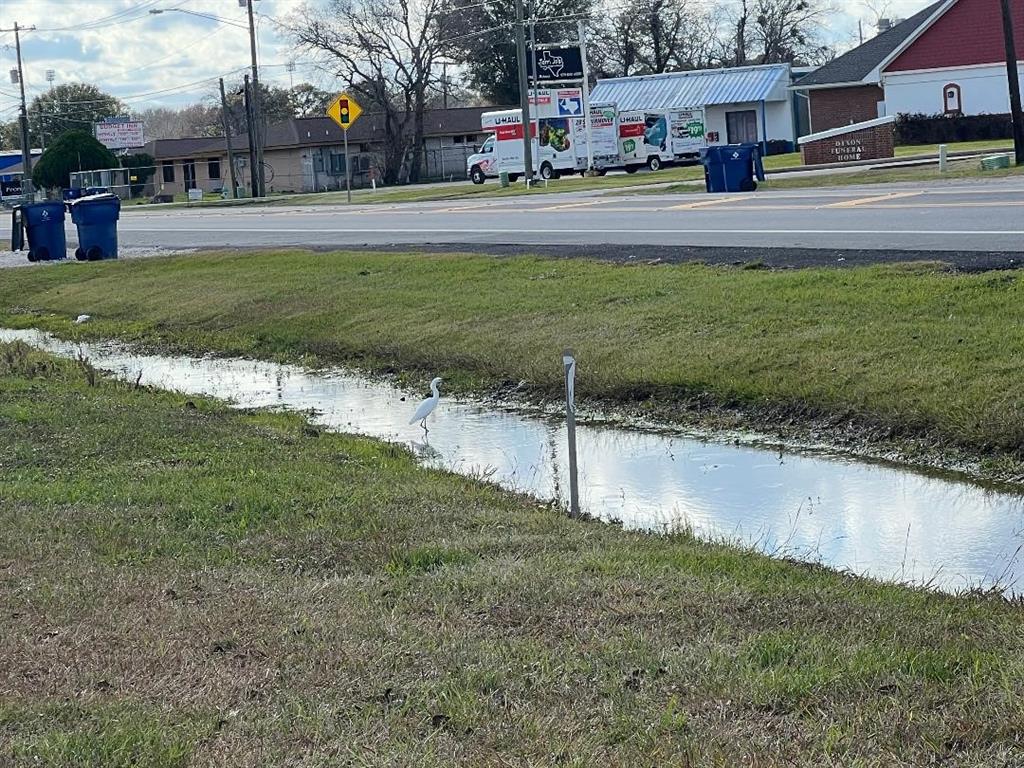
x=344, y=110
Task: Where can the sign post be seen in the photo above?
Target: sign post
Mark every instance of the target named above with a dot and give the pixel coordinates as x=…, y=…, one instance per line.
x=569, y=363
x=345, y=110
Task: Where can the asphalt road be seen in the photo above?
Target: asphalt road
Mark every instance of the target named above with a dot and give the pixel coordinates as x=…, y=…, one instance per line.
x=949, y=217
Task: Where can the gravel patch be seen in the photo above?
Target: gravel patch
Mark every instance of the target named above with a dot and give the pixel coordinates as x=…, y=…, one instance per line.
x=11, y=259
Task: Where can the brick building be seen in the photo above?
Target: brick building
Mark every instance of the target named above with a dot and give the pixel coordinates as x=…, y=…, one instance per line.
x=949, y=58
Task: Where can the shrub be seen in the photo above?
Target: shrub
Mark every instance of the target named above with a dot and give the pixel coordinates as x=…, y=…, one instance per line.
x=942, y=129
x=72, y=151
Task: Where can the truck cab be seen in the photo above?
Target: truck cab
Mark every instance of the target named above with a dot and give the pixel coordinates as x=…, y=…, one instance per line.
x=483, y=165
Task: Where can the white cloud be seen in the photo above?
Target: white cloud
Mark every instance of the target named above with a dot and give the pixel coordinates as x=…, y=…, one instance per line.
x=151, y=60
x=167, y=59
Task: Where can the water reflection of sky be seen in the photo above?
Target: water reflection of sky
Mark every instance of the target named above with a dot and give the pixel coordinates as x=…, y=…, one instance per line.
x=867, y=518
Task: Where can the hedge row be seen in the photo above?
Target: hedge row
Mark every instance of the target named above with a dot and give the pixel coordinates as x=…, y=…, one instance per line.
x=940, y=129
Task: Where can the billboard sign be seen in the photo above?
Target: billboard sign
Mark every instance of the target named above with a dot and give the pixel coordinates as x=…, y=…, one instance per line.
x=10, y=187
x=120, y=133
x=562, y=64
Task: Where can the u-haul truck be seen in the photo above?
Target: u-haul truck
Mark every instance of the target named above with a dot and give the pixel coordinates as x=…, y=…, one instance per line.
x=559, y=138
x=654, y=138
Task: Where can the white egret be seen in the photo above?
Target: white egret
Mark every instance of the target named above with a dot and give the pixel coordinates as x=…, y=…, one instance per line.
x=427, y=406
x=82, y=319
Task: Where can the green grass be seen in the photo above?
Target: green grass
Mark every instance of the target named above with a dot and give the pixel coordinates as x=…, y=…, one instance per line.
x=964, y=169
x=889, y=353
x=955, y=146
x=186, y=585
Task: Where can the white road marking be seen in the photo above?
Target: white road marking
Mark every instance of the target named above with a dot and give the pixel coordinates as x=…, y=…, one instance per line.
x=582, y=231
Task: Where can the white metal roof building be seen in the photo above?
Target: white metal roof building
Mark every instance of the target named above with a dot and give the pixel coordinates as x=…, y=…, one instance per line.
x=741, y=104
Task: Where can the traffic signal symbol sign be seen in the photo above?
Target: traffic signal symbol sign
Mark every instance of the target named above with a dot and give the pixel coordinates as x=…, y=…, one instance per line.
x=344, y=110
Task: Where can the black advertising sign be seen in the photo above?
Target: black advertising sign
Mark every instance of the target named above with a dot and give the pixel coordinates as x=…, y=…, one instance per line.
x=556, y=65
x=10, y=188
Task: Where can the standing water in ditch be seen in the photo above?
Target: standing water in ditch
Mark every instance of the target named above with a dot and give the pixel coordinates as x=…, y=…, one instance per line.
x=870, y=519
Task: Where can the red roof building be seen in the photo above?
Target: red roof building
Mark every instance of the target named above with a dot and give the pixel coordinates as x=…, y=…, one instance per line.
x=949, y=58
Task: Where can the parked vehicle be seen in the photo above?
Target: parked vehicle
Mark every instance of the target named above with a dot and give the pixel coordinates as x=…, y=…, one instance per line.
x=559, y=139
x=655, y=138
x=627, y=140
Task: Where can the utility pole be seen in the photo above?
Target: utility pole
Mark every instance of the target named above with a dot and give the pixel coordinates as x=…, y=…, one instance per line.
x=256, y=126
x=582, y=32
x=524, y=94
x=252, y=137
x=1013, y=79
x=26, y=147
x=227, y=139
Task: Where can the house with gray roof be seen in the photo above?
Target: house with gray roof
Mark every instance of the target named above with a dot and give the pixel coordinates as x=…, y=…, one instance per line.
x=307, y=154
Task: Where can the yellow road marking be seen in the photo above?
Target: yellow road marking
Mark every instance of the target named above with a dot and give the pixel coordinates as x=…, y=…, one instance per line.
x=874, y=199
x=584, y=204
x=707, y=203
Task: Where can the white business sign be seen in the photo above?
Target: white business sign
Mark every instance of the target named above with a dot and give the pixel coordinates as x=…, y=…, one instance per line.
x=120, y=135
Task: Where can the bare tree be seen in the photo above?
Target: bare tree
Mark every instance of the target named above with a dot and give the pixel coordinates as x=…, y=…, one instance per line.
x=388, y=52
x=778, y=31
x=653, y=36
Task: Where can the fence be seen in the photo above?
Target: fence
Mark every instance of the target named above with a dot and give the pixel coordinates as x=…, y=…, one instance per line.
x=126, y=183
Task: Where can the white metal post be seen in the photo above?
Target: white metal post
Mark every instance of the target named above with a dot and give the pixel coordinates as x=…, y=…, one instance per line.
x=586, y=92
x=569, y=365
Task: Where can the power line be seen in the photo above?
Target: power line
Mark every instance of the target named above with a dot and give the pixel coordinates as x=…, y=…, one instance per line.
x=113, y=19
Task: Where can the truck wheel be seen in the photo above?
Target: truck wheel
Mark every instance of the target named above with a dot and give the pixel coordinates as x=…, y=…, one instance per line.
x=654, y=163
x=547, y=172
x=477, y=175
x=513, y=178
x=632, y=168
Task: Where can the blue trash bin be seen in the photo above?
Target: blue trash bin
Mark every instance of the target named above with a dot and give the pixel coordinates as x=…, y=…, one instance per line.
x=72, y=194
x=732, y=167
x=96, y=219
x=44, y=224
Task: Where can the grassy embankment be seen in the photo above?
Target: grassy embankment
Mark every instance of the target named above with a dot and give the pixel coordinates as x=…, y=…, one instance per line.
x=911, y=356
x=186, y=585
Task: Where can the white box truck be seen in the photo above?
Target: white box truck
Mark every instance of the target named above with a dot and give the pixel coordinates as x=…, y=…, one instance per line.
x=559, y=139
x=655, y=138
x=688, y=135
x=604, y=137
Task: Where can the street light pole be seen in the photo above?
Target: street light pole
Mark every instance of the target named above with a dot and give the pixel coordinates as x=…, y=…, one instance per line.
x=256, y=128
x=1013, y=79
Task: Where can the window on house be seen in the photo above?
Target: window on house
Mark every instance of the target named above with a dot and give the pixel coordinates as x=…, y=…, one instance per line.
x=338, y=164
x=458, y=139
x=213, y=168
x=741, y=127
x=168, y=171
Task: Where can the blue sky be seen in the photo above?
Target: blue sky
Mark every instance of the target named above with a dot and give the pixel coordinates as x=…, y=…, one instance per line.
x=173, y=58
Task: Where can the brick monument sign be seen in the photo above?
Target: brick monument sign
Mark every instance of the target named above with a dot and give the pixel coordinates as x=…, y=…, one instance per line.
x=870, y=140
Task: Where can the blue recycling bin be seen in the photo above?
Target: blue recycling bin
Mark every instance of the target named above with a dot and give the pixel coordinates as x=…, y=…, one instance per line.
x=732, y=167
x=96, y=219
x=44, y=224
